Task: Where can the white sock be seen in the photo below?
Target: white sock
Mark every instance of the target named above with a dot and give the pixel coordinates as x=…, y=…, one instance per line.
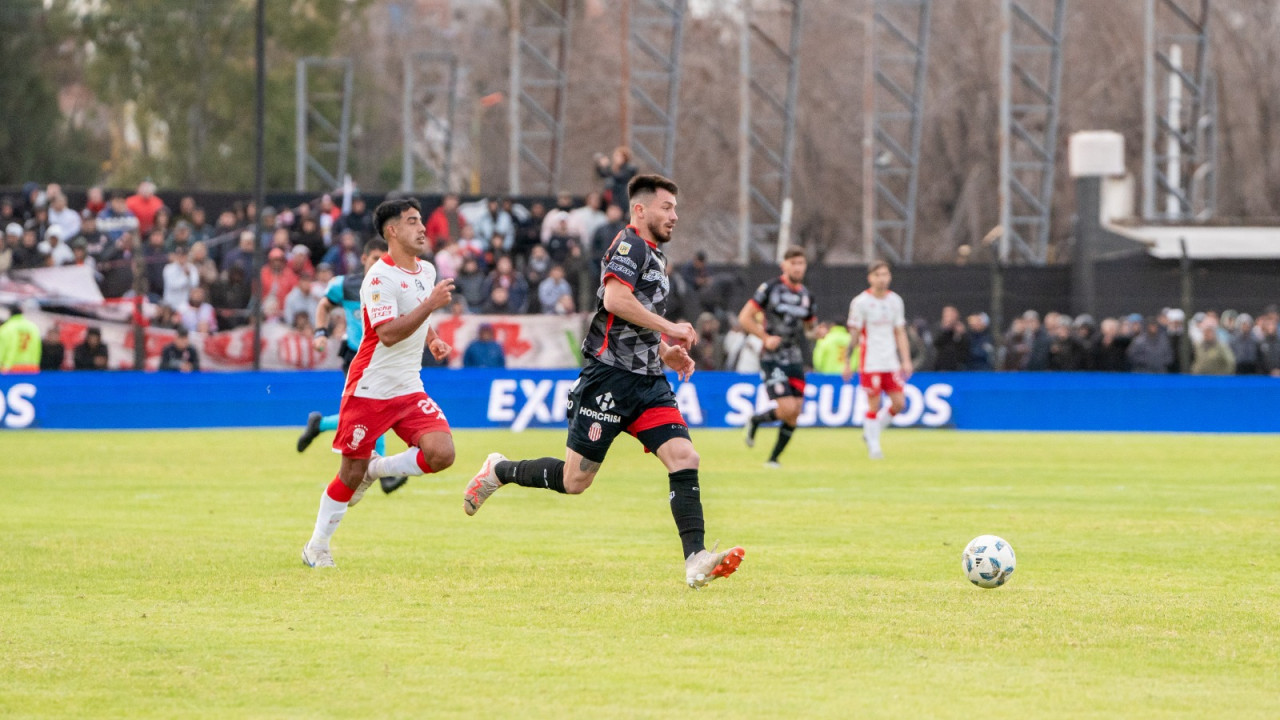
x=405, y=463
x=871, y=430
x=884, y=417
x=331, y=512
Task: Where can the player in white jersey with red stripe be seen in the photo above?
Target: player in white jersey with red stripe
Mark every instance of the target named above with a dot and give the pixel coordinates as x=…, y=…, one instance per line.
x=877, y=322
x=384, y=383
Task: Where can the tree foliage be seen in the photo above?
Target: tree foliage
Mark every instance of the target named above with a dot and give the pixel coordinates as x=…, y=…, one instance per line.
x=178, y=77
x=36, y=142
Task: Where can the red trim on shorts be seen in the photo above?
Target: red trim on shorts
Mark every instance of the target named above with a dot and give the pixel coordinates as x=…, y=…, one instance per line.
x=653, y=417
x=797, y=383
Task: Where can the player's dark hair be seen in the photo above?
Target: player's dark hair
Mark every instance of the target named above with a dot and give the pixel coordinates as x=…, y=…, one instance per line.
x=641, y=185
x=376, y=243
x=877, y=265
x=392, y=209
x=794, y=252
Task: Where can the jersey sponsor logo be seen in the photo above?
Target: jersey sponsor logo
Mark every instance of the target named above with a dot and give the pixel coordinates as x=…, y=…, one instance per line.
x=653, y=275
x=626, y=261
x=594, y=432
x=357, y=435
x=624, y=248
x=605, y=402
x=380, y=312
x=601, y=416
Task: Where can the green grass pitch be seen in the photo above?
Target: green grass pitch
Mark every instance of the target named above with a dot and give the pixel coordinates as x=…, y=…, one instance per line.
x=157, y=574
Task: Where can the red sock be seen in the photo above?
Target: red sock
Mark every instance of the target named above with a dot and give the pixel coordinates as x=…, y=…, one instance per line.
x=422, y=463
x=338, y=491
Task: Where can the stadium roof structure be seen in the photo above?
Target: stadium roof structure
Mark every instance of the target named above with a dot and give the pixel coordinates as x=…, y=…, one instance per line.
x=1204, y=240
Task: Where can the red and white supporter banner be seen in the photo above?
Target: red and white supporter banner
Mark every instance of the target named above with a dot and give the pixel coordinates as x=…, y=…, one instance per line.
x=283, y=348
x=529, y=341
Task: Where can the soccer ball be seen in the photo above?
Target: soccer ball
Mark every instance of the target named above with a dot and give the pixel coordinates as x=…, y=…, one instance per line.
x=988, y=561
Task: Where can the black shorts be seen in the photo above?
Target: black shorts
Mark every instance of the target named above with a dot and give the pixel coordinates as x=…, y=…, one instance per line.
x=606, y=401
x=782, y=380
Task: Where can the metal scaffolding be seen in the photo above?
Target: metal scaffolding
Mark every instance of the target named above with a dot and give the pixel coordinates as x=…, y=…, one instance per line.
x=539, y=84
x=768, y=81
x=431, y=87
x=323, y=90
x=1030, y=86
x=897, y=56
x=656, y=31
x=1179, y=103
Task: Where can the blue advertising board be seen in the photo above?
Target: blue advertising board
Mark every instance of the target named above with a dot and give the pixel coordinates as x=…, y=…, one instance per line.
x=521, y=399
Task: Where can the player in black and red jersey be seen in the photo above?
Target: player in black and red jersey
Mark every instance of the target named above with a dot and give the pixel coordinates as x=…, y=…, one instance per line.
x=623, y=387
x=779, y=314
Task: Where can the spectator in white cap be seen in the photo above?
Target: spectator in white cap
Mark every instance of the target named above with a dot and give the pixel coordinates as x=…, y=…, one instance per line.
x=12, y=238
x=1175, y=328
x=59, y=252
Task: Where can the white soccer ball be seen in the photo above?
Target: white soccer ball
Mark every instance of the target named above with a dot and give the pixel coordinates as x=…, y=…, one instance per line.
x=988, y=561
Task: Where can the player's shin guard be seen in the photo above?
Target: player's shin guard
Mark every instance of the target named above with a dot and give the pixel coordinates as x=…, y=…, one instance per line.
x=686, y=508
x=541, y=473
x=784, y=437
x=333, y=505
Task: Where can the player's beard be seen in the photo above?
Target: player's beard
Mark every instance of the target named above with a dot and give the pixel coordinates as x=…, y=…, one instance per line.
x=655, y=229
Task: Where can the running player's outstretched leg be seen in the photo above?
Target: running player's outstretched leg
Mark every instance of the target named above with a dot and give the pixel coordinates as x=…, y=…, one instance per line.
x=570, y=476
x=333, y=506
x=788, y=412
x=701, y=566
x=433, y=454
x=756, y=421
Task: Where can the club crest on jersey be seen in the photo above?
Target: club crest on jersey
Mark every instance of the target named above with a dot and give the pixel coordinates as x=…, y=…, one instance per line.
x=624, y=248
x=357, y=435
x=595, y=432
x=418, y=283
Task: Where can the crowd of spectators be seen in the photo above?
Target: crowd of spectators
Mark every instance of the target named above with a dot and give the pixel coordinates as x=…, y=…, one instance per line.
x=506, y=258
x=1212, y=343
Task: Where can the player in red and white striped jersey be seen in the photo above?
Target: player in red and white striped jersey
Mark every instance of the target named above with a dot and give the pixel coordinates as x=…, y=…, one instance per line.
x=384, y=383
x=877, y=322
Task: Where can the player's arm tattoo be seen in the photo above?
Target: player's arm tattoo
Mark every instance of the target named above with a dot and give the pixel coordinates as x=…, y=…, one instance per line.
x=588, y=465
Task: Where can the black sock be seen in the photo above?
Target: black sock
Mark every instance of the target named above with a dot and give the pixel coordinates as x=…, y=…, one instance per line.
x=764, y=417
x=541, y=473
x=686, y=508
x=784, y=437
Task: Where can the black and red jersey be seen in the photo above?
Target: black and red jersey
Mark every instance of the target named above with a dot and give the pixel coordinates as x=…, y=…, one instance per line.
x=642, y=267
